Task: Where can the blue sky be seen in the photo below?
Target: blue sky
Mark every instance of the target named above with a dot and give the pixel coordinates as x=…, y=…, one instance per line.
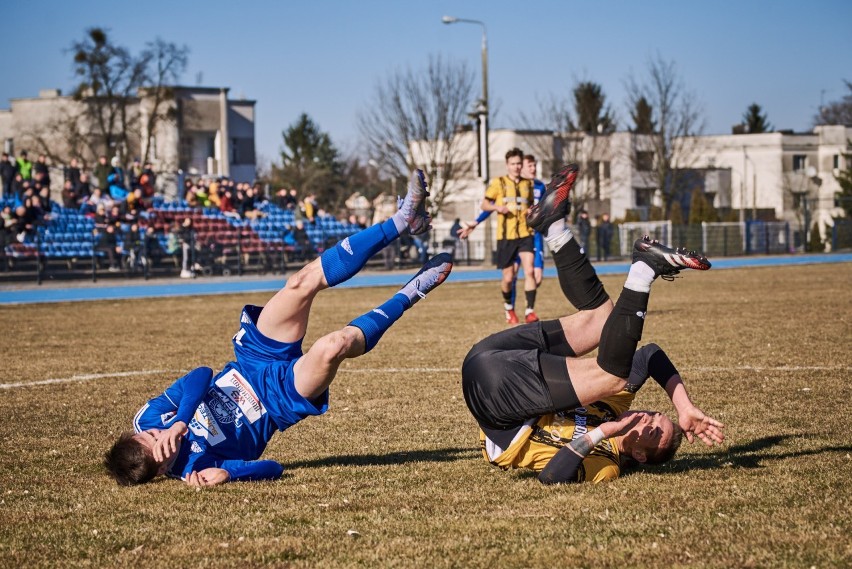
x=324, y=57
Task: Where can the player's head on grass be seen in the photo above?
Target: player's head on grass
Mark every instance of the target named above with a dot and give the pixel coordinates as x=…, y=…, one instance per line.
x=654, y=440
x=130, y=461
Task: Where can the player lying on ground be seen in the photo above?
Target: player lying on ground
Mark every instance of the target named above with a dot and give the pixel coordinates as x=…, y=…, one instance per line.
x=535, y=399
x=209, y=429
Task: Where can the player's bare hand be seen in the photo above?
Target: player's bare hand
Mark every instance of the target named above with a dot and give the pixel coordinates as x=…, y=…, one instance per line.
x=695, y=423
x=465, y=231
x=621, y=425
x=169, y=441
x=502, y=209
x=208, y=477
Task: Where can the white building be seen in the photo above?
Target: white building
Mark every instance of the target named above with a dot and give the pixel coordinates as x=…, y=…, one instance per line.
x=206, y=133
x=761, y=175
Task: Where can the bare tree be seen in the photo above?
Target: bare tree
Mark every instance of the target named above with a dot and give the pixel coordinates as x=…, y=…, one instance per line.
x=413, y=122
x=836, y=112
x=110, y=78
x=579, y=125
x=552, y=114
x=166, y=62
x=678, y=120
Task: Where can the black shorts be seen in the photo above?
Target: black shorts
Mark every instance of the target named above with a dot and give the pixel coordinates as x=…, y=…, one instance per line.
x=518, y=374
x=508, y=249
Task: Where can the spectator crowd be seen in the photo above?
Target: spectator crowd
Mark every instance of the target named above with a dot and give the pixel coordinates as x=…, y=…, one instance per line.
x=118, y=199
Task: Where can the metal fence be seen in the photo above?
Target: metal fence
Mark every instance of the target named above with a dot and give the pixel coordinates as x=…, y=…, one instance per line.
x=716, y=239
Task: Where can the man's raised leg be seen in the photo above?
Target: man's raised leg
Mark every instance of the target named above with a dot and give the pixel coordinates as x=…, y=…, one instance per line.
x=285, y=316
x=577, y=278
x=607, y=375
x=314, y=371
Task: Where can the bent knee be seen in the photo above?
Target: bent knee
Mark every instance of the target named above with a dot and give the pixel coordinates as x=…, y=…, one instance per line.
x=334, y=347
x=307, y=278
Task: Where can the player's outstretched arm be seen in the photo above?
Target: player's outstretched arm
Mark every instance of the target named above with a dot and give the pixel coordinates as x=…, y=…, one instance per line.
x=690, y=418
x=652, y=361
x=465, y=231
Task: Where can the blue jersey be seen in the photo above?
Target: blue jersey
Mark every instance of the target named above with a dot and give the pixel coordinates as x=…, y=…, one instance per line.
x=538, y=239
x=231, y=416
x=538, y=190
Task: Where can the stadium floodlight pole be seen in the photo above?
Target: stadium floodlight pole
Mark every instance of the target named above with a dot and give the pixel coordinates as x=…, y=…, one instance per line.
x=482, y=111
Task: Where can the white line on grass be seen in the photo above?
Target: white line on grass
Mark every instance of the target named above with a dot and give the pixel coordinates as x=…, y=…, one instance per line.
x=89, y=377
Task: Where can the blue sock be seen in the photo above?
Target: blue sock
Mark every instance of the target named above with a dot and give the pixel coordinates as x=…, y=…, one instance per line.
x=344, y=260
x=376, y=322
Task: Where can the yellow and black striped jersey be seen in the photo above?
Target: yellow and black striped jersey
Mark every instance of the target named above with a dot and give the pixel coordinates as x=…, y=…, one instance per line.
x=537, y=441
x=518, y=197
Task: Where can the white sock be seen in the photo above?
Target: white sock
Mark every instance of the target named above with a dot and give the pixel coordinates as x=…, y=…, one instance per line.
x=528, y=311
x=556, y=228
x=556, y=239
x=399, y=221
x=640, y=277
x=507, y=306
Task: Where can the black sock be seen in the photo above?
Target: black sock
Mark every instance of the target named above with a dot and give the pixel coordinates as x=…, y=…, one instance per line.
x=530, y=294
x=507, y=297
x=577, y=278
x=622, y=332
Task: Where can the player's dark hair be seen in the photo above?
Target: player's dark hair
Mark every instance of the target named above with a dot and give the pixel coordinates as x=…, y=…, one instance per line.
x=129, y=462
x=529, y=158
x=515, y=152
x=666, y=453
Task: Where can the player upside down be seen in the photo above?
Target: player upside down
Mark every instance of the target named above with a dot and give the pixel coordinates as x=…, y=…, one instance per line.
x=208, y=429
x=536, y=401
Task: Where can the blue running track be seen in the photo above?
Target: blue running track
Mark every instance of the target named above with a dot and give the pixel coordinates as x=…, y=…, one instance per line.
x=33, y=295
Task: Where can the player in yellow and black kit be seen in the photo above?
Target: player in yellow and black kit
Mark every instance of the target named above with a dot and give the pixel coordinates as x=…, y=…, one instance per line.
x=541, y=406
x=511, y=196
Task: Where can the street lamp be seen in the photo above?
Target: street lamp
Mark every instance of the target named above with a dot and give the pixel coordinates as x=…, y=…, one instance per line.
x=481, y=112
x=481, y=109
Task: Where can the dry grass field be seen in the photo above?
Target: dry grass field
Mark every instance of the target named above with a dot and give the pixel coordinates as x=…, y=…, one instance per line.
x=768, y=351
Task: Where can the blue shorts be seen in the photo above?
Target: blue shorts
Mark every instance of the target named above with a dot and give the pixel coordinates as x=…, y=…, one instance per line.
x=268, y=365
x=538, y=262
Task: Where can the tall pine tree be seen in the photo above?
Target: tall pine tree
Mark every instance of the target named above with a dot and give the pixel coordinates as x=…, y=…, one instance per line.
x=754, y=120
x=642, y=115
x=310, y=163
x=593, y=114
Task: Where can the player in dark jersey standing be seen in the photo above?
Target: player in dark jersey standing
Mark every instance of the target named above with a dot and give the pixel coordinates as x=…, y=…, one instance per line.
x=209, y=429
x=534, y=397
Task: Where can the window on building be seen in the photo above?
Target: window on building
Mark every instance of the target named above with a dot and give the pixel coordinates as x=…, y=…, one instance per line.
x=836, y=162
x=606, y=171
x=800, y=162
x=644, y=161
x=643, y=196
x=594, y=169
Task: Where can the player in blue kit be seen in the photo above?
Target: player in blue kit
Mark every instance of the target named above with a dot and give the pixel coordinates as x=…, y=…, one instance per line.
x=208, y=429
